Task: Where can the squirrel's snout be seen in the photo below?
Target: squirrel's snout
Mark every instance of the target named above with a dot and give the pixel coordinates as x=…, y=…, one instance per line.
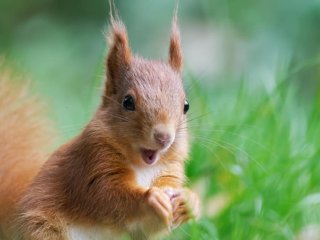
x=162, y=138
x=163, y=135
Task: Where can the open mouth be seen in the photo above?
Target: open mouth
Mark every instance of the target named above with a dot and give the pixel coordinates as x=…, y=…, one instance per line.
x=149, y=156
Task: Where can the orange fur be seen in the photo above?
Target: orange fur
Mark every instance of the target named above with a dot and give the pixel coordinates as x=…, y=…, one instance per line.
x=24, y=138
x=175, y=53
x=99, y=179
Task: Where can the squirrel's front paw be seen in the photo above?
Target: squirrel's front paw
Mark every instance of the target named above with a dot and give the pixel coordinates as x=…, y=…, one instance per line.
x=160, y=203
x=186, y=205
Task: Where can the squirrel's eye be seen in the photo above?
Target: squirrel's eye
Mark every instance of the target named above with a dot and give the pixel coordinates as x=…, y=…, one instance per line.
x=128, y=103
x=186, y=107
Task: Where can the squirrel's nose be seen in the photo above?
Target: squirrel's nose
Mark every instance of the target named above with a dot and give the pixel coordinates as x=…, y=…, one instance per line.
x=162, y=138
x=163, y=134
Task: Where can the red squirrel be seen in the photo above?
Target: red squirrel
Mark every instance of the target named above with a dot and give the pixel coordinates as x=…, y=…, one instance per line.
x=122, y=175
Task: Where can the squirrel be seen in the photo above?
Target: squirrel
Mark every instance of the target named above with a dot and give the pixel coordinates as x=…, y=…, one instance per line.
x=122, y=175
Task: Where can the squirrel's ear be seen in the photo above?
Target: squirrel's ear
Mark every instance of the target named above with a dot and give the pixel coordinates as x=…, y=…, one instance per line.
x=119, y=57
x=175, y=52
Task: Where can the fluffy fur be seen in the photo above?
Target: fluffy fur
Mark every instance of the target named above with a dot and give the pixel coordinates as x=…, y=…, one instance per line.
x=94, y=180
x=24, y=138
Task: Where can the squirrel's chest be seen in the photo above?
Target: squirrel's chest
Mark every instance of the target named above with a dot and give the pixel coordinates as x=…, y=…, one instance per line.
x=146, y=175
x=81, y=232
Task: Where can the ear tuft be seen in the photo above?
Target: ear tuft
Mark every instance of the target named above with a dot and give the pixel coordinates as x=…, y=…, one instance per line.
x=118, y=40
x=175, y=52
x=119, y=57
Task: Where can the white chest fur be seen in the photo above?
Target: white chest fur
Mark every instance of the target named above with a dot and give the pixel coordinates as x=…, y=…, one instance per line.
x=147, y=174
x=80, y=232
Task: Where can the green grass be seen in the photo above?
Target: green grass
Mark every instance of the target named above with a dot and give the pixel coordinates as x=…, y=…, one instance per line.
x=257, y=151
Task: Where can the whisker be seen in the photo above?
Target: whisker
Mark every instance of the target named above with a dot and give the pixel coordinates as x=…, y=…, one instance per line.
x=208, y=147
x=188, y=120
x=215, y=143
x=209, y=131
x=242, y=137
x=110, y=98
x=240, y=150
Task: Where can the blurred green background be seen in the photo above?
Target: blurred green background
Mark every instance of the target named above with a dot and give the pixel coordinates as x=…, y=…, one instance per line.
x=252, y=73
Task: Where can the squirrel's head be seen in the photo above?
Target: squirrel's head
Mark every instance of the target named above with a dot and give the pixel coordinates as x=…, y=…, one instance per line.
x=144, y=103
